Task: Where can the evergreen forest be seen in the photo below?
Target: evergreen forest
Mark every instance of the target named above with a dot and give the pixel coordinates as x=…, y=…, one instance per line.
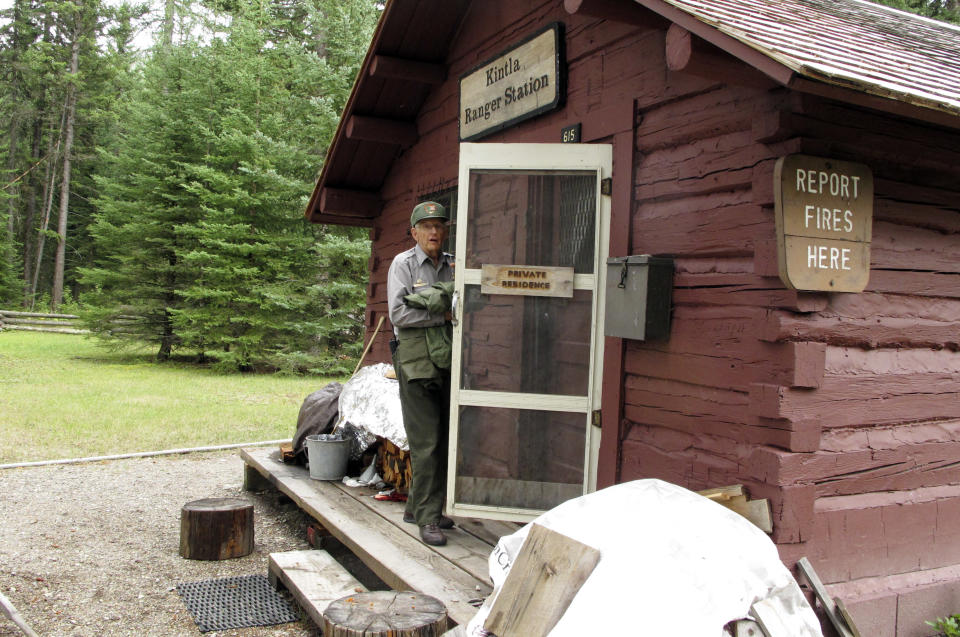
x=157, y=158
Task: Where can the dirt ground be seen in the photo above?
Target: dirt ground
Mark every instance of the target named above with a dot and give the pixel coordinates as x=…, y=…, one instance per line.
x=92, y=548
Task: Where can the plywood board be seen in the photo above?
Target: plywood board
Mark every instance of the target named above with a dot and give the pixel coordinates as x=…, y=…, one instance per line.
x=545, y=577
x=314, y=579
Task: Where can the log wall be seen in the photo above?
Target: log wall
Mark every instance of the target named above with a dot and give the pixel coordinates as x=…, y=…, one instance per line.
x=842, y=409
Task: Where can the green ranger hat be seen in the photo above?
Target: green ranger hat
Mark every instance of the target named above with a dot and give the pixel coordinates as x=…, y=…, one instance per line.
x=428, y=210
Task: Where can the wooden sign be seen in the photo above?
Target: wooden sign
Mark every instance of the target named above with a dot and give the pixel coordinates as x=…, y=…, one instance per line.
x=526, y=280
x=520, y=83
x=824, y=217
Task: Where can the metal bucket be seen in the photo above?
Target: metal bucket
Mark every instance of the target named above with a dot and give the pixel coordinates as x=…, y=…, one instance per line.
x=327, y=457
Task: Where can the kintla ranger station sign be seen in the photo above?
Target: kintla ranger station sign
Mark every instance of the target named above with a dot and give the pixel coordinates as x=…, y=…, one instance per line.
x=824, y=216
x=520, y=83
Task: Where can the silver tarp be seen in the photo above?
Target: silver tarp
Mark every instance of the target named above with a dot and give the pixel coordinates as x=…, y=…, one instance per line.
x=370, y=406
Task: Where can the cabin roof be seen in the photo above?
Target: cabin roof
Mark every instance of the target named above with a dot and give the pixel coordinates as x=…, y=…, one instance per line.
x=850, y=50
x=853, y=43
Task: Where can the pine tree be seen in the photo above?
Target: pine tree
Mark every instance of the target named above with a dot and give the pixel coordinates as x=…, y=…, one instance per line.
x=946, y=10
x=256, y=299
x=142, y=203
x=206, y=246
x=59, y=64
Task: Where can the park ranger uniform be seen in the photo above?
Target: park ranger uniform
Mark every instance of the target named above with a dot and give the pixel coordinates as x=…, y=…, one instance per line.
x=424, y=387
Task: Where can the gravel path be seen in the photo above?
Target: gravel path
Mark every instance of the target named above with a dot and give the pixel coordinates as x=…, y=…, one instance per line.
x=92, y=549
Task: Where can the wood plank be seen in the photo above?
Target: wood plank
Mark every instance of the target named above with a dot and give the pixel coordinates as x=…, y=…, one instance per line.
x=544, y=579
x=314, y=579
x=401, y=561
x=740, y=289
x=349, y=203
x=915, y=283
x=874, y=331
x=394, y=68
x=38, y=315
x=875, y=460
x=38, y=321
x=382, y=130
x=862, y=399
x=470, y=553
x=847, y=617
x=734, y=364
x=723, y=494
x=11, y=613
x=734, y=230
x=757, y=511
x=56, y=330
x=688, y=53
x=627, y=13
x=734, y=498
x=829, y=606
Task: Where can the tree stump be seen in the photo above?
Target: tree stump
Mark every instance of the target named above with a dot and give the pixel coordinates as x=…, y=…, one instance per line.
x=383, y=613
x=216, y=529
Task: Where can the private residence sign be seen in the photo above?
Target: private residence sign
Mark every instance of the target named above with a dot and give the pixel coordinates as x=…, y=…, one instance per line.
x=520, y=83
x=824, y=217
x=526, y=280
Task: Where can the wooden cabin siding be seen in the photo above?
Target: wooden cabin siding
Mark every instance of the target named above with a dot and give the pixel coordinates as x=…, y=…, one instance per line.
x=603, y=77
x=842, y=409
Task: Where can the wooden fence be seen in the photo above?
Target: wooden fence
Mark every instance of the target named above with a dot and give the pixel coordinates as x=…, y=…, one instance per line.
x=39, y=322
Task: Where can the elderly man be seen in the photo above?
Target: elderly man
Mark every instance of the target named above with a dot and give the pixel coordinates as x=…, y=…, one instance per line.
x=424, y=387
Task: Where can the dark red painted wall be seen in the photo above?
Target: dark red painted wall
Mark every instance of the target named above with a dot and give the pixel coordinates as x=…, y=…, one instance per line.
x=842, y=409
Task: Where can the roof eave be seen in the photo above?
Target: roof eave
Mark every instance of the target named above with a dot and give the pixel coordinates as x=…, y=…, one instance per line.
x=806, y=80
x=312, y=213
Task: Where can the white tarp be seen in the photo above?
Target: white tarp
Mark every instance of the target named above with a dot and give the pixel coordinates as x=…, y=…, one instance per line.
x=671, y=563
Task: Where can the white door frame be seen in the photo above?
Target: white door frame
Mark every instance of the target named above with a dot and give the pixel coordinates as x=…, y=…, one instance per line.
x=540, y=157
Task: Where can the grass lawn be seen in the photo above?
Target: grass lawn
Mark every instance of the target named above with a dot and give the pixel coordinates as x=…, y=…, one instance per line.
x=64, y=396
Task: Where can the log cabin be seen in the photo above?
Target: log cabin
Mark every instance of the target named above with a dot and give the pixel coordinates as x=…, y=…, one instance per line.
x=789, y=169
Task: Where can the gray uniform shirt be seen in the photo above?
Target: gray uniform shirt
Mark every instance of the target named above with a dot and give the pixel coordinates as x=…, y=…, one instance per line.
x=413, y=271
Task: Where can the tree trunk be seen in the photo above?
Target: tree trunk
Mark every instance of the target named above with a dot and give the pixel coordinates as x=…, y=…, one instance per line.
x=29, y=219
x=56, y=297
x=385, y=613
x=48, y=187
x=14, y=123
x=169, y=13
x=216, y=529
x=11, y=165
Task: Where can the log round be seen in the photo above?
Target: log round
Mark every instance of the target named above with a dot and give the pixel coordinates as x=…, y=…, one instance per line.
x=216, y=529
x=382, y=613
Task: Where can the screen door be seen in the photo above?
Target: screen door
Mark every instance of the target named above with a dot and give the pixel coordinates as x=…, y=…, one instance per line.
x=527, y=355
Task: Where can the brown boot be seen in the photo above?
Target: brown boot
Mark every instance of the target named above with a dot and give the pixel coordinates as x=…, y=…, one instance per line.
x=443, y=523
x=432, y=535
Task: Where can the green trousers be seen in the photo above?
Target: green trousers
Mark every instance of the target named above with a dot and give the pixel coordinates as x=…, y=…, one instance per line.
x=426, y=413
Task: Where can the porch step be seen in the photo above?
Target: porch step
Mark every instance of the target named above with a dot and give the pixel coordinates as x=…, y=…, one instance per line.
x=395, y=554
x=314, y=579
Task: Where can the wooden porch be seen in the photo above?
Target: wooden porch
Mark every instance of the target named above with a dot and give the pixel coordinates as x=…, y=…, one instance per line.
x=375, y=532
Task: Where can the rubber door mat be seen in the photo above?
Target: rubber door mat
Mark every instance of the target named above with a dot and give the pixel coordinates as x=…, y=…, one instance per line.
x=235, y=602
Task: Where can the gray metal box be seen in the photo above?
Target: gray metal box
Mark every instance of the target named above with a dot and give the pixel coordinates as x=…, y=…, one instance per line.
x=639, y=290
